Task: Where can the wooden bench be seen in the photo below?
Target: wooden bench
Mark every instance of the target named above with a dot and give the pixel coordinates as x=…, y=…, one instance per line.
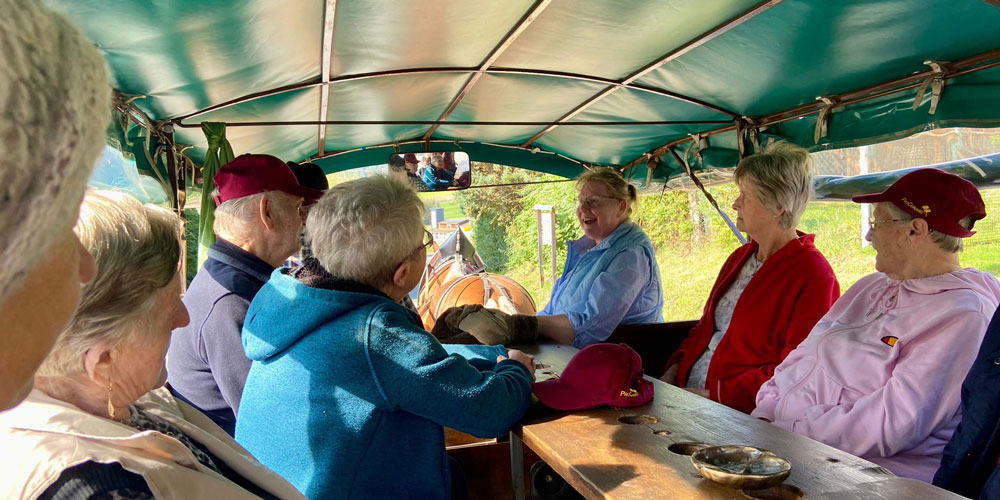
x=655, y=342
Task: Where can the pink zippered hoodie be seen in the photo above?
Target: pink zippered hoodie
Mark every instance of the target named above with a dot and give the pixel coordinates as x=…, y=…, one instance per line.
x=880, y=375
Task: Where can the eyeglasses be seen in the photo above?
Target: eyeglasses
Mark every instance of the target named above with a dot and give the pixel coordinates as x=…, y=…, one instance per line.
x=872, y=223
x=594, y=201
x=428, y=241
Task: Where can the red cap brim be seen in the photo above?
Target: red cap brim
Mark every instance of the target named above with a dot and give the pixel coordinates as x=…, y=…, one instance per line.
x=560, y=396
x=869, y=198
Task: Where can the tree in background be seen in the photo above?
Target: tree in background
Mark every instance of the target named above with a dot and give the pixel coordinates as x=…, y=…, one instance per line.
x=491, y=242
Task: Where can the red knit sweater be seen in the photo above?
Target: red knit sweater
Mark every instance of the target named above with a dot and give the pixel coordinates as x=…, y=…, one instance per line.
x=783, y=301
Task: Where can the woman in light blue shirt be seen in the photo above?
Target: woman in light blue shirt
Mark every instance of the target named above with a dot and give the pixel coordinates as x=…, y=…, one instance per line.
x=611, y=277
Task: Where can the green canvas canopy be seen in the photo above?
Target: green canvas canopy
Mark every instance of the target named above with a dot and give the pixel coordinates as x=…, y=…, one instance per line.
x=549, y=85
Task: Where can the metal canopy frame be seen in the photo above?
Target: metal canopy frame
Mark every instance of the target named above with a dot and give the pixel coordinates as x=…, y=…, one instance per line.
x=180, y=120
x=963, y=67
x=528, y=18
x=329, y=13
x=729, y=120
x=670, y=56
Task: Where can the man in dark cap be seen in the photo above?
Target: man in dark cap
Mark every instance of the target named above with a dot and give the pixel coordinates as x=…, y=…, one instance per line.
x=312, y=176
x=258, y=220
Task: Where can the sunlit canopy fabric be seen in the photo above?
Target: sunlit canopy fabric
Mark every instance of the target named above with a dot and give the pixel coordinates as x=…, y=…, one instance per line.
x=466, y=63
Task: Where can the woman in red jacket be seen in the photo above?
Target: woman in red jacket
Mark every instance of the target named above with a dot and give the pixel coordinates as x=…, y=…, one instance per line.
x=769, y=293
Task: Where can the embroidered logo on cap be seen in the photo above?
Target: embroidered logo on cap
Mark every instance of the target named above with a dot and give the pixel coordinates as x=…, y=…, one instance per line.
x=631, y=393
x=889, y=340
x=924, y=211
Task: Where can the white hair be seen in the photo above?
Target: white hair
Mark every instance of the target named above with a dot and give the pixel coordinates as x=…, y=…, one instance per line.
x=950, y=244
x=782, y=175
x=362, y=229
x=54, y=109
x=234, y=218
x=136, y=249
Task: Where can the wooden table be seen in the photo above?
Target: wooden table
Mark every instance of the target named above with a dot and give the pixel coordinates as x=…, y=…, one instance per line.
x=603, y=458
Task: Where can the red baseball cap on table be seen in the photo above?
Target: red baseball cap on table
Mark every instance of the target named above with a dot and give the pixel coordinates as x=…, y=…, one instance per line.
x=598, y=375
x=940, y=198
x=250, y=174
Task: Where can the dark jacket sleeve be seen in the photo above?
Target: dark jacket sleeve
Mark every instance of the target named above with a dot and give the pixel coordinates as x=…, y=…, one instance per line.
x=819, y=292
x=969, y=462
x=92, y=480
x=222, y=342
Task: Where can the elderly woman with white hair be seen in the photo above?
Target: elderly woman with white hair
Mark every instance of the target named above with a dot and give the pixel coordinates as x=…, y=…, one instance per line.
x=53, y=110
x=346, y=380
x=91, y=428
x=770, y=291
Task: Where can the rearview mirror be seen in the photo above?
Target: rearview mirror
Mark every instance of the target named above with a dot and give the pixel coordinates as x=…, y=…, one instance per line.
x=433, y=171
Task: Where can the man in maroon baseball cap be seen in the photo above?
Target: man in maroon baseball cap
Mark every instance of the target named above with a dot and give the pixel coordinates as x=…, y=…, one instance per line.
x=251, y=174
x=258, y=222
x=880, y=375
x=598, y=375
x=942, y=199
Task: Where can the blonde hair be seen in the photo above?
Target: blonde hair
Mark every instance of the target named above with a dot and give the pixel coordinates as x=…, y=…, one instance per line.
x=948, y=243
x=782, y=175
x=137, y=250
x=362, y=229
x=54, y=107
x=617, y=186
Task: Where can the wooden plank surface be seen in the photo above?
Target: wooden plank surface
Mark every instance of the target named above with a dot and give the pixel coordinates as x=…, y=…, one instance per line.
x=604, y=458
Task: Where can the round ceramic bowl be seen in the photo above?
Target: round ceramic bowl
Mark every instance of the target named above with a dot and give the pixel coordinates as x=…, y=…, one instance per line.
x=741, y=467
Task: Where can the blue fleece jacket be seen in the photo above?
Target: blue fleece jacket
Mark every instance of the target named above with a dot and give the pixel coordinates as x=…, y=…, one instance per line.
x=347, y=394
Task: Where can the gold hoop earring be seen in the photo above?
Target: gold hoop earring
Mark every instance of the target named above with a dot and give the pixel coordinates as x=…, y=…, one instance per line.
x=111, y=407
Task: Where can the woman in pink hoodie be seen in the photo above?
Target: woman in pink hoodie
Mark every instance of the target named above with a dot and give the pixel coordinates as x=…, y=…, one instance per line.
x=880, y=375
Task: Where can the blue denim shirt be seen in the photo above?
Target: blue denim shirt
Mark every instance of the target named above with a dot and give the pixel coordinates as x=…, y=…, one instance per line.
x=614, y=283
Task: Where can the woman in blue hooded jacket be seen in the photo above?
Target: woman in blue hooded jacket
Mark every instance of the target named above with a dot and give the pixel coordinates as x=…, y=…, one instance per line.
x=347, y=395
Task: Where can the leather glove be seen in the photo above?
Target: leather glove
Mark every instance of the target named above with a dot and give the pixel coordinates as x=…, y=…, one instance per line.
x=493, y=327
x=446, y=325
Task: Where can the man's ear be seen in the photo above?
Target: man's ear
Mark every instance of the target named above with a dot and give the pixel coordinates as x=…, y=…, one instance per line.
x=97, y=363
x=402, y=274
x=266, y=212
x=919, y=227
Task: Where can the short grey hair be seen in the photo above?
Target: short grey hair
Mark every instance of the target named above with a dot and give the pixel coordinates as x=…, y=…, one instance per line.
x=137, y=251
x=234, y=218
x=950, y=244
x=783, y=176
x=54, y=108
x=362, y=229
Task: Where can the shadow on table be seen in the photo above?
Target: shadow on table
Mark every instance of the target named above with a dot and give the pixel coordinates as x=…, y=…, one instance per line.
x=605, y=478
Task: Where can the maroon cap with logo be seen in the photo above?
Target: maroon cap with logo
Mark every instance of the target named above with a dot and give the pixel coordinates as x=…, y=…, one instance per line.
x=250, y=174
x=940, y=198
x=410, y=158
x=600, y=374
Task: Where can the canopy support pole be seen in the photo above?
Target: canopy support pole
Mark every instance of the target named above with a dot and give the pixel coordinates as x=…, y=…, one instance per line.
x=669, y=56
x=528, y=18
x=324, y=91
x=980, y=62
x=179, y=121
x=711, y=199
x=175, y=172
